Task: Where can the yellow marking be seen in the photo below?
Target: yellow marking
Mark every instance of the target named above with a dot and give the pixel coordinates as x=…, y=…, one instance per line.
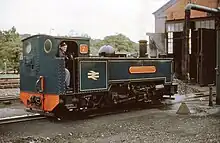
x=93, y=75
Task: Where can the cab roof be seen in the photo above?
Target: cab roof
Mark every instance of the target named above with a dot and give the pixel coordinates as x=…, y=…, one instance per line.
x=57, y=37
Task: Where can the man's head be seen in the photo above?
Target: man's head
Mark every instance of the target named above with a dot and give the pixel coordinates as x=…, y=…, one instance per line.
x=63, y=46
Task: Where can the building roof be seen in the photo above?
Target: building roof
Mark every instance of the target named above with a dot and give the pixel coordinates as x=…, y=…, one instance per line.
x=165, y=7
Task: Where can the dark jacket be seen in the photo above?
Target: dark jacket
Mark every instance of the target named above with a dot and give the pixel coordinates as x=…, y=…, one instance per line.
x=66, y=56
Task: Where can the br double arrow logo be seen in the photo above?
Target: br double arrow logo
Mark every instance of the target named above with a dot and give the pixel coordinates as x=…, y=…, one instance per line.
x=93, y=75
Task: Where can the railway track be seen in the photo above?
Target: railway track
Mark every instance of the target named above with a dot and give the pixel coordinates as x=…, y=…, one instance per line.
x=128, y=108
x=102, y=112
x=22, y=118
x=9, y=99
x=6, y=83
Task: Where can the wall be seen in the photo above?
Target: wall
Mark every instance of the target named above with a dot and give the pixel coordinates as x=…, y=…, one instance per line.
x=156, y=44
x=160, y=21
x=176, y=11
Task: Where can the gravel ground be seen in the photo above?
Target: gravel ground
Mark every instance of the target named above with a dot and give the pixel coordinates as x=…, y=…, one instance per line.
x=150, y=125
x=184, y=88
x=15, y=109
x=9, y=92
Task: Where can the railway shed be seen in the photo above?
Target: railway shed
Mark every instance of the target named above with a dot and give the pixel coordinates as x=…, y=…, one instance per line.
x=192, y=39
x=169, y=21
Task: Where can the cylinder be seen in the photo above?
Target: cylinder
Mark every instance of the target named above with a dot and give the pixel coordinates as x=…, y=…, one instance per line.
x=142, y=48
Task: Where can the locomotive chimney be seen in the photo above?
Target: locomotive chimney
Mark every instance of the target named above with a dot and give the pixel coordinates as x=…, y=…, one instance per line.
x=143, y=48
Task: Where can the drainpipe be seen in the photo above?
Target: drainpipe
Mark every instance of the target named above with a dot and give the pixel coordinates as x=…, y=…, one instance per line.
x=201, y=8
x=217, y=27
x=215, y=11
x=185, y=49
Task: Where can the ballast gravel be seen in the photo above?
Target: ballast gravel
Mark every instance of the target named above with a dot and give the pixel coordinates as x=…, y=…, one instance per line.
x=149, y=125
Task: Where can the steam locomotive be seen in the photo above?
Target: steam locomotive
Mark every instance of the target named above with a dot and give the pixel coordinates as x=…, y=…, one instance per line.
x=95, y=82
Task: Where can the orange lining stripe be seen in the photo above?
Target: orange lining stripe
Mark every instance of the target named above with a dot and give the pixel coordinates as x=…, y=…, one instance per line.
x=142, y=69
x=42, y=82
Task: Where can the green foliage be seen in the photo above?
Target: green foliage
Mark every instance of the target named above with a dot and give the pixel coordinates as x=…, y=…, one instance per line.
x=119, y=41
x=10, y=48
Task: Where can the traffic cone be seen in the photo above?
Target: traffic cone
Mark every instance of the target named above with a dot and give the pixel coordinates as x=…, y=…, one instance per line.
x=183, y=109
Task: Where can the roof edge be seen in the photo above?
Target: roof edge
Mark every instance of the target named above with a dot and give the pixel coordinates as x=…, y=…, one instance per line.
x=165, y=6
x=56, y=37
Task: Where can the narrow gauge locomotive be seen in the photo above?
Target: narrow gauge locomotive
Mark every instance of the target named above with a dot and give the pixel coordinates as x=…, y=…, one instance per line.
x=95, y=82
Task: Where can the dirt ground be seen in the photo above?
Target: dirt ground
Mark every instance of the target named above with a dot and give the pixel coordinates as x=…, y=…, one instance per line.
x=9, y=92
x=159, y=125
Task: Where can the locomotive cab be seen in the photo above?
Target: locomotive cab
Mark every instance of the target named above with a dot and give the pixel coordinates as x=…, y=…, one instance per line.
x=42, y=74
x=74, y=50
x=76, y=47
x=70, y=54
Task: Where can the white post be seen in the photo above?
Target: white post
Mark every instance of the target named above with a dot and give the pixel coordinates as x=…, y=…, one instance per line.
x=5, y=67
x=51, y=29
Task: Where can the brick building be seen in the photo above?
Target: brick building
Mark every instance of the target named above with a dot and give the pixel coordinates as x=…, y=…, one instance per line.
x=169, y=20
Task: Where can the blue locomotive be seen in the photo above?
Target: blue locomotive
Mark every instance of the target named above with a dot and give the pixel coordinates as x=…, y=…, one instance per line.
x=58, y=73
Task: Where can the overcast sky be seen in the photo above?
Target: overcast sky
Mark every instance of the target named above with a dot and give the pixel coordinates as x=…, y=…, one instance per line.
x=97, y=18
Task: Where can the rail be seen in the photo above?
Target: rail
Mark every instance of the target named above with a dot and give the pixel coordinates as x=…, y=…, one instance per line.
x=22, y=118
x=5, y=78
x=9, y=98
x=100, y=112
x=6, y=83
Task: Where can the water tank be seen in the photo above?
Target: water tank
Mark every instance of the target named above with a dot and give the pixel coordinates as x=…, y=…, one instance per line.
x=106, y=50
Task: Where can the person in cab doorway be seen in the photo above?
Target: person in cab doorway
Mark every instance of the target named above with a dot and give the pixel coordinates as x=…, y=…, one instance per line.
x=62, y=53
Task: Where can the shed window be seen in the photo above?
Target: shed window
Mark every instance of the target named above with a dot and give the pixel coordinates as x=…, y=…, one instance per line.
x=174, y=27
x=170, y=42
x=208, y=24
x=190, y=42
